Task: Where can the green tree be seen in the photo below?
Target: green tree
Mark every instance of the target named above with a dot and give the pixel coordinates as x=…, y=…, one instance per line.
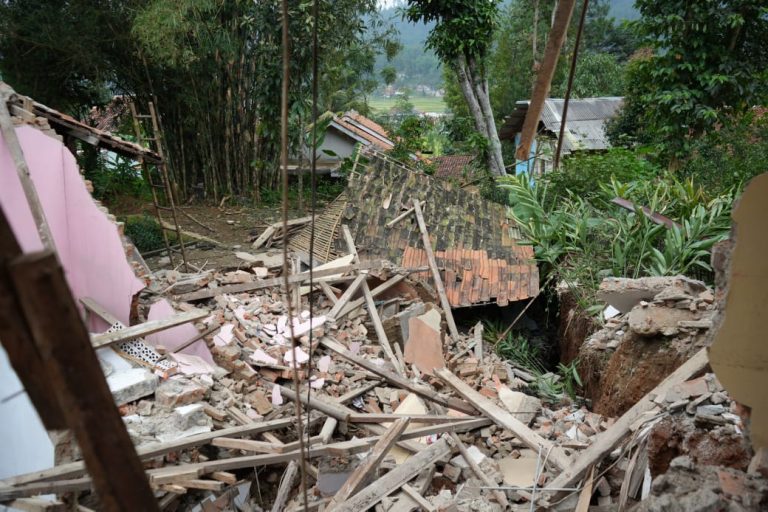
x=461, y=37
x=709, y=60
x=210, y=65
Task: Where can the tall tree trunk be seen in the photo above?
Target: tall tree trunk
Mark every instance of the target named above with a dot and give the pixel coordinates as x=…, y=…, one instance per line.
x=481, y=91
x=466, y=83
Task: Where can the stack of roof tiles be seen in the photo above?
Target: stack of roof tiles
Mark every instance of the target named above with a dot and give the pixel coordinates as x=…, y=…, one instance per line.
x=477, y=247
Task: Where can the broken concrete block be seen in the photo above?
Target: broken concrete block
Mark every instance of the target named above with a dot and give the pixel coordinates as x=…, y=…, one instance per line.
x=624, y=293
x=188, y=416
x=523, y=407
x=396, y=326
x=654, y=320
x=518, y=472
x=474, y=453
x=452, y=472
x=424, y=347
x=175, y=392
x=129, y=385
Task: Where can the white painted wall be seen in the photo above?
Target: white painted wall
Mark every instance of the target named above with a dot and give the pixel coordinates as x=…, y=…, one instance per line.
x=25, y=445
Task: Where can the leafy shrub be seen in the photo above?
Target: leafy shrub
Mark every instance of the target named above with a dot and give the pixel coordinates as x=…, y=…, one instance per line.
x=145, y=232
x=114, y=177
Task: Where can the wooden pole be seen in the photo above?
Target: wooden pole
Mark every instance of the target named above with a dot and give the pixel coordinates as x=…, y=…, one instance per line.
x=22, y=169
x=435, y=272
x=74, y=375
x=541, y=88
x=571, y=74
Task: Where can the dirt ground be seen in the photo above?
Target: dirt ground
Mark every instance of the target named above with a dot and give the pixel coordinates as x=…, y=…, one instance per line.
x=234, y=226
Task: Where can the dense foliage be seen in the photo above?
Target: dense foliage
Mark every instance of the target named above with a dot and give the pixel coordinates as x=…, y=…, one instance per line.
x=708, y=62
x=582, y=237
x=210, y=65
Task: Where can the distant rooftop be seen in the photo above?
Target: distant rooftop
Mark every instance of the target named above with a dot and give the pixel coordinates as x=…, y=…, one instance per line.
x=585, y=128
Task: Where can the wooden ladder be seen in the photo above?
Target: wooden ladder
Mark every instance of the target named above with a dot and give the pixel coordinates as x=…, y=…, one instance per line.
x=160, y=184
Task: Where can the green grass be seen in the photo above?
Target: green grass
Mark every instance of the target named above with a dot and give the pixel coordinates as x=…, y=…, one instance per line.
x=421, y=103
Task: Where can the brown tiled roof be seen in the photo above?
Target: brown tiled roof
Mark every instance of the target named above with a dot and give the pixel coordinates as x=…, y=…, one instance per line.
x=454, y=167
x=476, y=246
x=362, y=127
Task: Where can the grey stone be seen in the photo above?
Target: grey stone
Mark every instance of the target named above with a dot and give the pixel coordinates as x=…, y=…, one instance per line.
x=130, y=385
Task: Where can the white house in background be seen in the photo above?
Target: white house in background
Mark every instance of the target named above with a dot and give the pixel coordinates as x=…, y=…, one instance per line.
x=342, y=134
x=584, y=130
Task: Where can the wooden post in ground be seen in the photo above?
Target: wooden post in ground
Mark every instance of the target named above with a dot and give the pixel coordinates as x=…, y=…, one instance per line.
x=435, y=272
x=74, y=375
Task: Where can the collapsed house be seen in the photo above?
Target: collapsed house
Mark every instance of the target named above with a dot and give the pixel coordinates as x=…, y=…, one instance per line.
x=584, y=130
x=185, y=394
x=477, y=246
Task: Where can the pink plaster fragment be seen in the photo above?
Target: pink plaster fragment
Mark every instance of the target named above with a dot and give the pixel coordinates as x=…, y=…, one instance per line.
x=324, y=364
x=176, y=336
x=277, y=397
x=261, y=357
x=225, y=335
x=301, y=356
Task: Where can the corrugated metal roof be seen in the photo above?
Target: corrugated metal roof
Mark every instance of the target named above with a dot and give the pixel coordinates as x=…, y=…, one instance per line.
x=585, y=127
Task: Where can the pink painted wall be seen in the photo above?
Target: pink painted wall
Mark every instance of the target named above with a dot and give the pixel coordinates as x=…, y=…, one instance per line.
x=87, y=242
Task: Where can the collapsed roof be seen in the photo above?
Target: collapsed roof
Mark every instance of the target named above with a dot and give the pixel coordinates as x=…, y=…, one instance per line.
x=477, y=247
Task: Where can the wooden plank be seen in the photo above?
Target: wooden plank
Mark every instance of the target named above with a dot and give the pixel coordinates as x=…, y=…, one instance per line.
x=347, y=295
x=205, y=485
x=505, y=420
x=420, y=484
x=286, y=484
x=366, y=470
x=247, y=445
x=37, y=505
x=605, y=442
x=416, y=496
x=395, y=479
x=336, y=411
x=75, y=375
x=479, y=473
x=387, y=418
x=191, y=234
x=386, y=285
x=402, y=215
x=397, y=380
x=137, y=331
x=280, y=281
x=373, y=312
x=435, y=272
x=15, y=336
x=74, y=469
x=223, y=476
x=326, y=288
x=22, y=169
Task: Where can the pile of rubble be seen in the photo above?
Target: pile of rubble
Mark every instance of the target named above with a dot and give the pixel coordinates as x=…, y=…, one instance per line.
x=397, y=413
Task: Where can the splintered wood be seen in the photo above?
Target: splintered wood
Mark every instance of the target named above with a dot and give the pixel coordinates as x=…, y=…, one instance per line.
x=388, y=427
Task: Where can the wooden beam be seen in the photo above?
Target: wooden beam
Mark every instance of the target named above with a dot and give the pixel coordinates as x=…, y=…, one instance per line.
x=403, y=215
x=286, y=484
x=479, y=473
x=386, y=285
x=397, y=380
x=605, y=442
x=366, y=470
x=75, y=375
x=15, y=336
x=505, y=420
x=395, y=479
x=416, y=496
x=373, y=312
x=140, y=330
x=22, y=169
x=279, y=281
x=31, y=488
x=347, y=295
x=555, y=40
x=452, y=329
x=74, y=469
